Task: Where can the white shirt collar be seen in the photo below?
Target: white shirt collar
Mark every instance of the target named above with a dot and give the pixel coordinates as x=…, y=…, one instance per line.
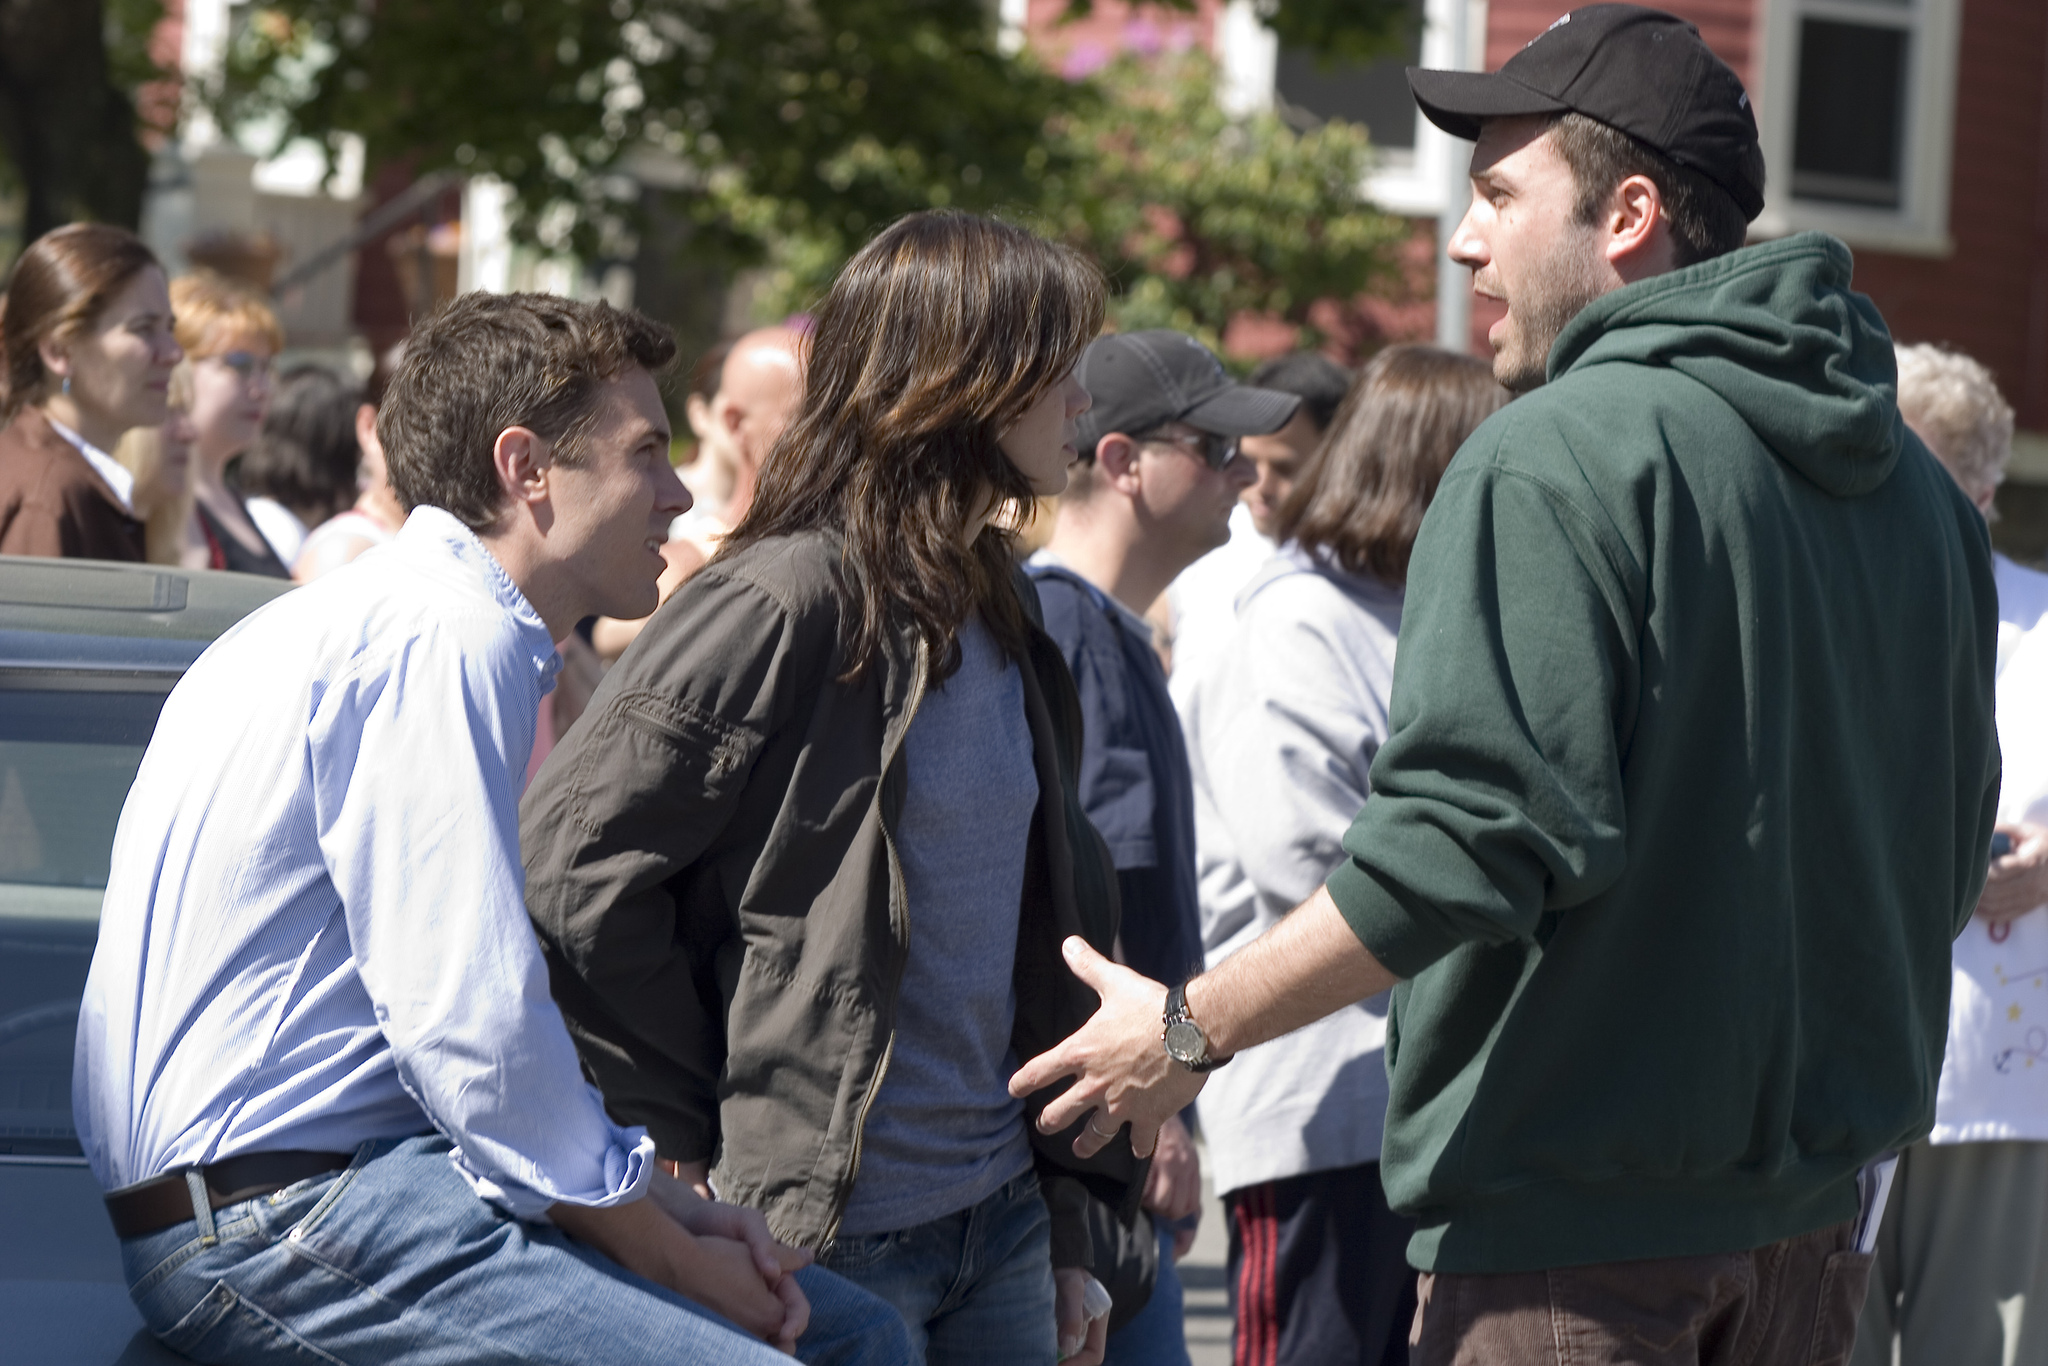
x=431, y=524
x=117, y=477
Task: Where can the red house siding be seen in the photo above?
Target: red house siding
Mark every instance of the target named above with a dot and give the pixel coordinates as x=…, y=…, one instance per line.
x=1076, y=47
x=1990, y=298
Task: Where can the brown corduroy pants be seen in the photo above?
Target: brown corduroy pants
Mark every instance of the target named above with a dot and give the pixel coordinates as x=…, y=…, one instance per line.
x=1791, y=1303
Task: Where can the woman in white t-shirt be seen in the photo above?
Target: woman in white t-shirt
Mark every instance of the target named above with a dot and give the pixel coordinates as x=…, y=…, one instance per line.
x=1962, y=1270
x=1282, y=725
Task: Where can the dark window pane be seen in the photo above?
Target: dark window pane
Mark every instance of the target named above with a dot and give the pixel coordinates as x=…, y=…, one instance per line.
x=66, y=762
x=67, y=759
x=1849, y=137
x=1374, y=94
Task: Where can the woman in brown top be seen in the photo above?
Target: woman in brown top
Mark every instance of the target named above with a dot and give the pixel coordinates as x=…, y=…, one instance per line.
x=86, y=352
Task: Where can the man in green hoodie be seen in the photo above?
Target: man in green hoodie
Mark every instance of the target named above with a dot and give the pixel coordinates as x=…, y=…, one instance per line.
x=1692, y=771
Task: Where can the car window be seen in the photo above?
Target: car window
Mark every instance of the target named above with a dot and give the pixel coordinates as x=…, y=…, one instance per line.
x=68, y=754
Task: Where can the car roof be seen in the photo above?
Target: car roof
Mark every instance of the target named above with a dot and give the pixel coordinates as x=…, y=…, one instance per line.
x=95, y=613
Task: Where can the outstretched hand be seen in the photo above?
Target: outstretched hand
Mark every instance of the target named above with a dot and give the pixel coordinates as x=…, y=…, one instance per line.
x=1117, y=1060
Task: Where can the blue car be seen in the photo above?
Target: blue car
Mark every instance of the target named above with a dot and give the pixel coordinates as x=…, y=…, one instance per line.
x=88, y=652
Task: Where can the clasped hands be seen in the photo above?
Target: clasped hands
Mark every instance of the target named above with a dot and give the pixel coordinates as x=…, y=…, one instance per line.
x=717, y=1255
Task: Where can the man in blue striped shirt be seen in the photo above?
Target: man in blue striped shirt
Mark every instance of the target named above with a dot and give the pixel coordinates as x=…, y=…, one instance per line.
x=318, y=1066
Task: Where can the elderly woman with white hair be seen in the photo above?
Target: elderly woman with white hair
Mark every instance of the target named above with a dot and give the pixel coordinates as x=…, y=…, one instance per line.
x=1962, y=1273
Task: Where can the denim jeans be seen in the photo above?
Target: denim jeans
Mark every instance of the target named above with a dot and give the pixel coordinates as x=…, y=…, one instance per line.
x=1158, y=1335
x=395, y=1260
x=975, y=1287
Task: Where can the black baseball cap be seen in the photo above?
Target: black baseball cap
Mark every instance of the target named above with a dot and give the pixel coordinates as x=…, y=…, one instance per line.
x=1640, y=70
x=1140, y=381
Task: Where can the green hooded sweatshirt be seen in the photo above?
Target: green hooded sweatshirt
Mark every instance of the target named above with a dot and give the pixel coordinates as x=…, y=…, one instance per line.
x=1689, y=788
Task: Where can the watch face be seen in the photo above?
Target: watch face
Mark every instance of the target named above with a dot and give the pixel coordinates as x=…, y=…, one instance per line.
x=1184, y=1042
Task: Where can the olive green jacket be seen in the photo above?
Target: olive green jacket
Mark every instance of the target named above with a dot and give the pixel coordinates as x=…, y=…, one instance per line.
x=711, y=869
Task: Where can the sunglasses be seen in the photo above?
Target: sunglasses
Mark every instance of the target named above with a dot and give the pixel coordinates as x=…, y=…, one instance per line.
x=1215, y=449
x=247, y=365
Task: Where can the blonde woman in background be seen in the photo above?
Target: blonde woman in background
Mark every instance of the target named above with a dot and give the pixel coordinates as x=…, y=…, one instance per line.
x=230, y=337
x=160, y=460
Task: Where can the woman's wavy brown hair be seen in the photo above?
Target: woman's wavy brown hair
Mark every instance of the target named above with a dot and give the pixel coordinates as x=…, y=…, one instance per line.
x=934, y=338
x=1361, y=496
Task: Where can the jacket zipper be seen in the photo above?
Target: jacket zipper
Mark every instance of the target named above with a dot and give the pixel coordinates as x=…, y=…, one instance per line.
x=899, y=920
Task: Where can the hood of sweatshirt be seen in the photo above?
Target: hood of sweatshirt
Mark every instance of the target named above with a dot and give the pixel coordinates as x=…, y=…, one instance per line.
x=1776, y=331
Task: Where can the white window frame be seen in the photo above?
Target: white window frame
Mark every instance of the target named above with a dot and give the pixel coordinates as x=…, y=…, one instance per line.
x=1919, y=225
x=1433, y=179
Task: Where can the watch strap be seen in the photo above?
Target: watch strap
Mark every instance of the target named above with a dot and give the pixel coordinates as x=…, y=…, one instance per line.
x=1177, y=1013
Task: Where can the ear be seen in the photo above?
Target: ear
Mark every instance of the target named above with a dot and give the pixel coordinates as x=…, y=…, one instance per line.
x=521, y=458
x=55, y=354
x=366, y=426
x=697, y=409
x=1638, y=237
x=728, y=415
x=1116, y=461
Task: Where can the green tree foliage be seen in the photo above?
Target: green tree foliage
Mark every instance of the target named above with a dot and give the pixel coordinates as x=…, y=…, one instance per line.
x=1198, y=216
x=804, y=125
x=1195, y=216
x=68, y=144
x=1335, y=30
x=815, y=117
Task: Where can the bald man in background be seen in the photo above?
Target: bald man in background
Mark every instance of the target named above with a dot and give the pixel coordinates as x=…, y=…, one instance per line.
x=759, y=389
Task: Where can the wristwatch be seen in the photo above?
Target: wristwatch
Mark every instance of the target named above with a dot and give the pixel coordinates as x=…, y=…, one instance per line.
x=1186, y=1044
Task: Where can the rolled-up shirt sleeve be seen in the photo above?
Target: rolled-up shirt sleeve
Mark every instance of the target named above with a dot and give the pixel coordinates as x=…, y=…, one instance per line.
x=424, y=852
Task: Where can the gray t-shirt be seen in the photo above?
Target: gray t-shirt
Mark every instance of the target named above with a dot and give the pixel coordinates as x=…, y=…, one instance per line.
x=944, y=1133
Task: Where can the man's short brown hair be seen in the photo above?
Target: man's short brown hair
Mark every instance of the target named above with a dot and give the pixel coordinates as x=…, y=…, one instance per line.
x=1705, y=219
x=487, y=362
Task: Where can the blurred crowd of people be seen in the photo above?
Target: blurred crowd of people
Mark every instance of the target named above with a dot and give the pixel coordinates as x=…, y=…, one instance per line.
x=1220, y=569
x=147, y=420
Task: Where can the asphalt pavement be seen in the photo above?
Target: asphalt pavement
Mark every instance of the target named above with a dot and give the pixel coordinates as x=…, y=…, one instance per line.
x=1207, y=1303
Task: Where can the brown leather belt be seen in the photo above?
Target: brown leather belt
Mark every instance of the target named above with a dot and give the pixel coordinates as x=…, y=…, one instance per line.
x=166, y=1201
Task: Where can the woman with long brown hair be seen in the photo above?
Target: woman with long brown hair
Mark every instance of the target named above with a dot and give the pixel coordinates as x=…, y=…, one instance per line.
x=1282, y=727
x=805, y=867
x=85, y=335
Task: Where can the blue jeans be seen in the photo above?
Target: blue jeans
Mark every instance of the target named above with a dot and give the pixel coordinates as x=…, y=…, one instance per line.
x=1158, y=1335
x=395, y=1260
x=975, y=1287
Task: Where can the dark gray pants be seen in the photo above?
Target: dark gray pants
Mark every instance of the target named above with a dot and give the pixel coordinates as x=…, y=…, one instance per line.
x=1962, y=1259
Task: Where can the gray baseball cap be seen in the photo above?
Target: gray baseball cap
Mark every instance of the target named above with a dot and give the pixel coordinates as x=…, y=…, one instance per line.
x=1140, y=381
